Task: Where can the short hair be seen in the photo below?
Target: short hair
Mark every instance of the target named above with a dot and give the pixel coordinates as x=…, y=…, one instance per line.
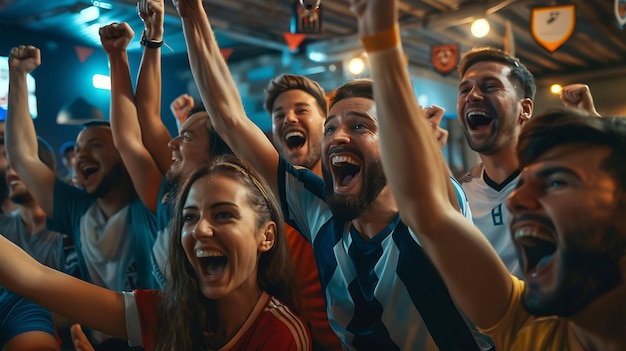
x=519, y=72
x=45, y=152
x=561, y=126
x=217, y=145
x=363, y=88
x=288, y=82
x=96, y=123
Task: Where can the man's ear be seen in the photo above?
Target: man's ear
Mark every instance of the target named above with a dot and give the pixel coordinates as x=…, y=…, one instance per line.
x=269, y=235
x=527, y=110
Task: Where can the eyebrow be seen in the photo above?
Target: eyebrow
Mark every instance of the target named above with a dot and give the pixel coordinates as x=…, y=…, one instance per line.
x=297, y=104
x=357, y=114
x=548, y=171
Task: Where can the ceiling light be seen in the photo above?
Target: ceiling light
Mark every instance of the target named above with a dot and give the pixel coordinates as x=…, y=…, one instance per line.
x=480, y=28
x=89, y=14
x=556, y=88
x=102, y=4
x=356, y=65
x=100, y=81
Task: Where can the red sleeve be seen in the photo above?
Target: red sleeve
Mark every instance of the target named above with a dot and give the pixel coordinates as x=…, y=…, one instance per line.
x=148, y=304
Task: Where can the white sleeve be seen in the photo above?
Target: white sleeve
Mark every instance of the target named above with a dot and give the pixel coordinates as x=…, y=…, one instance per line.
x=133, y=326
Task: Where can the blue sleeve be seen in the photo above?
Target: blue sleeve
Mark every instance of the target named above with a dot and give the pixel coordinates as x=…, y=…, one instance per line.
x=19, y=315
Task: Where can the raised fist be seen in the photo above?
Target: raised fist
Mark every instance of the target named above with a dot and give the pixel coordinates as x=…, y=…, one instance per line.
x=578, y=96
x=434, y=114
x=115, y=37
x=24, y=59
x=181, y=106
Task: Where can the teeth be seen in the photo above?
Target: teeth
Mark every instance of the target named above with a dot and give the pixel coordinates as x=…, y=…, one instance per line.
x=208, y=253
x=476, y=113
x=533, y=233
x=294, y=134
x=344, y=159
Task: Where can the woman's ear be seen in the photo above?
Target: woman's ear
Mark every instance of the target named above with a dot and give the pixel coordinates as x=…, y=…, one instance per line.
x=269, y=235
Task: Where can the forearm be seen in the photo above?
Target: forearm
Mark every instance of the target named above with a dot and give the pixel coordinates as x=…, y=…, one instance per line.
x=221, y=98
x=20, y=135
x=94, y=306
x=154, y=134
x=123, y=114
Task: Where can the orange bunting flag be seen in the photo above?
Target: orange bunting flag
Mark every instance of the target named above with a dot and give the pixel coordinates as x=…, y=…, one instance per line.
x=83, y=53
x=226, y=53
x=294, y=40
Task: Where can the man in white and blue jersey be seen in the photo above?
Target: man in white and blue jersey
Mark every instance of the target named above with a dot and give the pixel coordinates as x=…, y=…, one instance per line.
x=381, y=290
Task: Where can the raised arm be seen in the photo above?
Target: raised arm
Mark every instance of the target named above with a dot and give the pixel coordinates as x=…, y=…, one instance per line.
x=93, y=306
x=142, y=169
x=220, y=95
x=473, y=273
x=20, y=136
x=148, y=94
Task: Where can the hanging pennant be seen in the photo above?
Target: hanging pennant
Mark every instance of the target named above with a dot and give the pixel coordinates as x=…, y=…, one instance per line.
x=226, y=53
x=294, y=40
x=305, y=21
x=444, y=58
x=83, y=53
x=620, y=12
x=552, y=26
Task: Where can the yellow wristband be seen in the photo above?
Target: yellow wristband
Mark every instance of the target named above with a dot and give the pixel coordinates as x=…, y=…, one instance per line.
x=384, y=40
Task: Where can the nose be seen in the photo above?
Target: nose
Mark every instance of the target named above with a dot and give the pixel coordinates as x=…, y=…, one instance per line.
x=173, y=144
x=474, y=94
x=340, y=136
x=290, y=118
x=202, y=230
x=10, y=174
x=523, y=198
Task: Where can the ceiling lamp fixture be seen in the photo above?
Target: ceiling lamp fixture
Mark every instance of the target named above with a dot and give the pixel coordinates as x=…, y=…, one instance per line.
x=556, y=88
x=357, y=65
x=480, y=28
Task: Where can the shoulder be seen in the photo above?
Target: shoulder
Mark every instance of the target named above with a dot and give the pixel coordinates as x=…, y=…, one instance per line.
x=288, y=330
x=475, y=173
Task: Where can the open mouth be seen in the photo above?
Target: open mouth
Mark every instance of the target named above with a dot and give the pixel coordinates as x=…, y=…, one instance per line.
x=537, y=247
x=213, y=262
x=88, y=169
x=477, y=119
x=295, y=140
x=345, y=169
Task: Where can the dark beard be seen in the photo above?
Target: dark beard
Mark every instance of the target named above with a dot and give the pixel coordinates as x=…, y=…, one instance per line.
x=22, y=198
x=346, y=208
x=583, y=277
x=110, y=180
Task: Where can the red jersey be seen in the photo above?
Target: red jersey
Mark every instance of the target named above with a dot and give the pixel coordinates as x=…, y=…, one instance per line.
x=311, y=297
x=271, y=325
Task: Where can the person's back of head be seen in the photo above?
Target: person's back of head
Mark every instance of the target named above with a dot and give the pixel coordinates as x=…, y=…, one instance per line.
x=519, y=72
x=288, y=82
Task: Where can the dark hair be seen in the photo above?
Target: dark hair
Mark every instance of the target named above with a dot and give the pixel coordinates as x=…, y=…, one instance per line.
x=96, y=123
x=288, y=82
x=217, y=145
x=357, y=88
x=184, y=310
x=519, y=72
x=561, y=126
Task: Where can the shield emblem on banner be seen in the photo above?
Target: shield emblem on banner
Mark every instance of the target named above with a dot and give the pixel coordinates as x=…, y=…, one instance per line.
x=620, y=12
x=552, y=26
x=444, y=58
